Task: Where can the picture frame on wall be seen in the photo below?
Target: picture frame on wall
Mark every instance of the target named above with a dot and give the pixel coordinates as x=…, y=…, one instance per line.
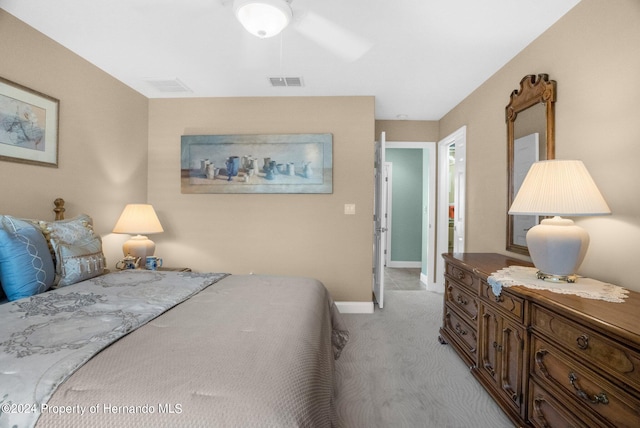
x=264, y=163
x=28, y=125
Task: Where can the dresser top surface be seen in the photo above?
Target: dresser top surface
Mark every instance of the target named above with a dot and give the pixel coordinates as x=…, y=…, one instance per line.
x=621, y=318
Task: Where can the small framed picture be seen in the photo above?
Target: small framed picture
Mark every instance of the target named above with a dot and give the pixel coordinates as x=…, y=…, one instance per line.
x=28, y=125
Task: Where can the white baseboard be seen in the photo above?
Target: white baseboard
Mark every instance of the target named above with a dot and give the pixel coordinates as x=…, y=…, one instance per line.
x=424, y=280
x=355, y=307
x=398, y=264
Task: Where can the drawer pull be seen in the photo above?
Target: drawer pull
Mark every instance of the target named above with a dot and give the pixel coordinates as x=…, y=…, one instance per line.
x=583, y=341
x=538, y=401
x=460, y=330
x=461, y=300
x=497, y=347
x=598, y=398
x=460, y=274
x=540, y=361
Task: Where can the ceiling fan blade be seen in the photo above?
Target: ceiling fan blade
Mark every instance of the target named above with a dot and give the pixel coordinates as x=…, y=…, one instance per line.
x=330, y=36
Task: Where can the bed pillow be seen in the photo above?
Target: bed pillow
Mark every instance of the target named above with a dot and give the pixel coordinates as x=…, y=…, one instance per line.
x=26, y=267
x=77, y=249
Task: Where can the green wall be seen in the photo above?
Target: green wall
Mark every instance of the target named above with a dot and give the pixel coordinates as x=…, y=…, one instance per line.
x=406, y=219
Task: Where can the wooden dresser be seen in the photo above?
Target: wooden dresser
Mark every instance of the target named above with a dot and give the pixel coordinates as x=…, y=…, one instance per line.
x=548, y=359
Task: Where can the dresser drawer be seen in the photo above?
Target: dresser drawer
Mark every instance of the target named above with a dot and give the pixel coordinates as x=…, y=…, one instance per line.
x=464, y=334
x=510, y=304
x=613, y=406
x=545, y=411
x=462, y=276
x=460, y=298
x=619, y=361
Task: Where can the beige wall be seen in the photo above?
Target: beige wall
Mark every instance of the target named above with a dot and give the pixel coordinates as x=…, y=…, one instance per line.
x=290, y=234
x=408, y=130
x=592, y=53
x=102, y=136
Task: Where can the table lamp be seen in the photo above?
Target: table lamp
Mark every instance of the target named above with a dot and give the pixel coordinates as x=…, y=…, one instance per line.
x=557, y=188
x=138, y=220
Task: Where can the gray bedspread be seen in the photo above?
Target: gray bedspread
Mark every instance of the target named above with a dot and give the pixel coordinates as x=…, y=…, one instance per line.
x=249, y=351
x=46, y=337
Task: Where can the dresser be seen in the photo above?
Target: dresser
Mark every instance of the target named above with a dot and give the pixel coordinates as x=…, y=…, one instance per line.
x=547, y=359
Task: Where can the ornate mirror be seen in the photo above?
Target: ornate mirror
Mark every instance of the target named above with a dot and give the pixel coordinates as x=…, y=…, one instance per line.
x=530, y=117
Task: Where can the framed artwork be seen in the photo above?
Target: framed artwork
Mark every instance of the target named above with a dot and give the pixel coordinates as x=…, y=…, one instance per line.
x=270, y=163
x=28, y=125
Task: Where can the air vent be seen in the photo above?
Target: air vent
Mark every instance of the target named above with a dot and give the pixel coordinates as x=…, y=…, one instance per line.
x=285, y=81
x=168, y=85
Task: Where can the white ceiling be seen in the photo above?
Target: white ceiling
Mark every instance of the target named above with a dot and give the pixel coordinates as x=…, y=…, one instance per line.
x=419, y=58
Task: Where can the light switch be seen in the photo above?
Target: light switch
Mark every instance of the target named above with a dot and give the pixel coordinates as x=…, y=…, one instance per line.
x=350, y=209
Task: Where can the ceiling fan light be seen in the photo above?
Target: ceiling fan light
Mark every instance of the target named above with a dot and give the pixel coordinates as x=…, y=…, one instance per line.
x=263, y=18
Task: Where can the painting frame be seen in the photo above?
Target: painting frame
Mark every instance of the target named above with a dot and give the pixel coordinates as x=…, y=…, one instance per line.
x=29, y=125
x=257, y=163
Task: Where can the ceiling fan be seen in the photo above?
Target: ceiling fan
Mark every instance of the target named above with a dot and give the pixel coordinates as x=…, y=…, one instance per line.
x=267, y=18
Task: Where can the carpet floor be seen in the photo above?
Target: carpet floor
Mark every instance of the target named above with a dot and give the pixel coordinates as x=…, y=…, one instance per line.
x=395, y=373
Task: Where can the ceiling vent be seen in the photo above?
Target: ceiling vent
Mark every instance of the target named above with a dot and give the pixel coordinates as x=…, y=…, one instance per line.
x=285, y=81
x=168, y=85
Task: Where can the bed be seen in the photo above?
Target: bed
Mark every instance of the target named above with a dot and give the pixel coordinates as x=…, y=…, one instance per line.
x=139, y=348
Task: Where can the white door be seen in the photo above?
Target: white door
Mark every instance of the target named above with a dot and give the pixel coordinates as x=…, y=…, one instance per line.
x=379, y=229
x=387, y=213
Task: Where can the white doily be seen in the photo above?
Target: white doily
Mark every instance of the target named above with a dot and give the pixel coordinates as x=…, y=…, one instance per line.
x=584, y=287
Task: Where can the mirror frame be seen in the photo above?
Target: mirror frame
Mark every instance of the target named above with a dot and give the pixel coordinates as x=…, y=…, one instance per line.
x=533, y=90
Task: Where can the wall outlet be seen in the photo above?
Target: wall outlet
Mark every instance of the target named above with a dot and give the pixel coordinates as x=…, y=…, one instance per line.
x=350, y=209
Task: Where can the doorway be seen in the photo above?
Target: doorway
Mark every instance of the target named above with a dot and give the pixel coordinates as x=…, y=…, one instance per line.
x=451, y=181
x=452, y=167
x=411, y=207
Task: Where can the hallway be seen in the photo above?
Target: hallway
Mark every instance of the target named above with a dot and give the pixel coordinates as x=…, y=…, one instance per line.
x=403, y=279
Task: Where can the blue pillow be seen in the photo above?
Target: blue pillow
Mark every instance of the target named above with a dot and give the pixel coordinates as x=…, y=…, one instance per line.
x=26, y=266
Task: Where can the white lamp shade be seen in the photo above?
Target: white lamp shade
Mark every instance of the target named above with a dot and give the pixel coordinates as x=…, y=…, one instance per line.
x=559, y=187
x=138, y=219
x=263, y=18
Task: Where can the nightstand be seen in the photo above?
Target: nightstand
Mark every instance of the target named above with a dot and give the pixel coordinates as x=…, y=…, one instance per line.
x=175, y=269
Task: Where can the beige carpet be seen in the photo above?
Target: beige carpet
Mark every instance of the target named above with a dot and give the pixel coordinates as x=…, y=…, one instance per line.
x=395, y=373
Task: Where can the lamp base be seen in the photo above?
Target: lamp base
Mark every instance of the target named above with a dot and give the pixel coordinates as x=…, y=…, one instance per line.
x=556, y=278
x=557, y=247
x=139, y=246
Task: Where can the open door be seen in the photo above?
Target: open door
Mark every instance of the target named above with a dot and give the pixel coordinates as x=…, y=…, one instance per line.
x=379, y=229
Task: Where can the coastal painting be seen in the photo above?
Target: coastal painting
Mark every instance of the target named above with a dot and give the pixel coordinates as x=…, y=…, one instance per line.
x=28, y=125
x=263, y=163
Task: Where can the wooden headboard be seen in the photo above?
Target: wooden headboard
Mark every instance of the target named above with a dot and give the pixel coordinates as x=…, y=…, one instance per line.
x=59, y=209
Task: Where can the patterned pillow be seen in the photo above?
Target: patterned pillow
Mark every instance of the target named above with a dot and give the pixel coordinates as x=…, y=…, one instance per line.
x=77, y=249
x=26, y=267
